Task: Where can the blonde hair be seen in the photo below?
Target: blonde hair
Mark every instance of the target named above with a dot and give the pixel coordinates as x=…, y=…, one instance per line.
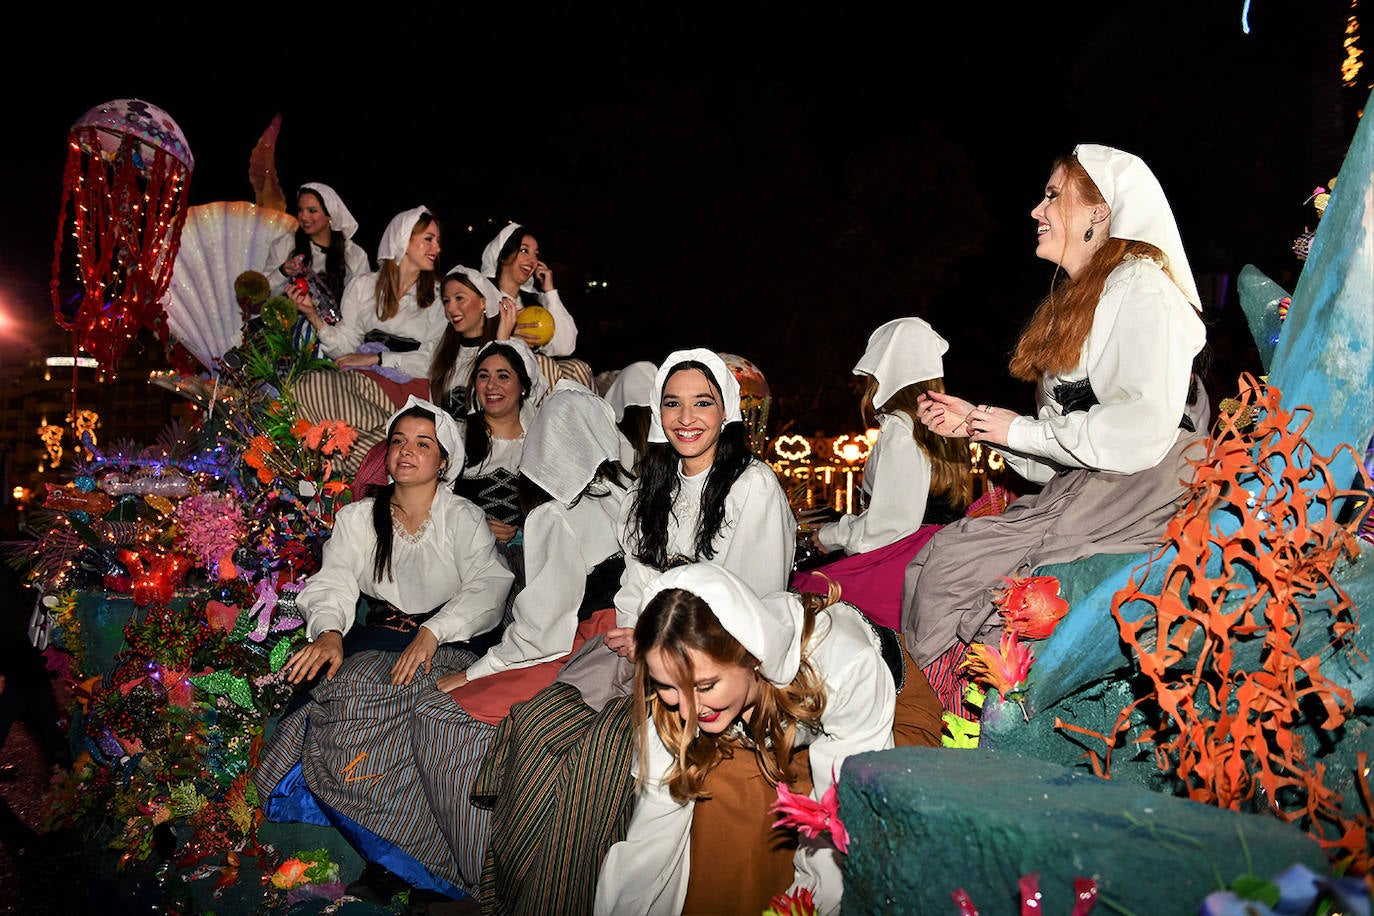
x=676, y=620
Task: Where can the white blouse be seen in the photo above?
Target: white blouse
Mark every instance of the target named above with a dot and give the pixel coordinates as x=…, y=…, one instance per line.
x=452, y=563
x=648, y=871
x=757, y=541
x=359, y=315
x=562, y=545
x=896, y=481
x=1139, y=359
x=356, y=263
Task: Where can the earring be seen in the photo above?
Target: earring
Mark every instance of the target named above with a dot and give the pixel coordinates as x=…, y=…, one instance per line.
x=1088, y=236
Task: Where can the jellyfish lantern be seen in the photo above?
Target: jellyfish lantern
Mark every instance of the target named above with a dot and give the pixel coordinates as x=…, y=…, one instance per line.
x=124, y=193
x=755, y=398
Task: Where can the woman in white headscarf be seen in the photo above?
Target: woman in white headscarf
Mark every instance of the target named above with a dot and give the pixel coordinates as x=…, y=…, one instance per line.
x=914, y=480
x=390, y=323
x=321, y=250
x=702, y=497
x=477, y=314
x=1120, y=408
x=631, y=396
x=730, y=687
x=512, y=264
x=424, y=562
x=573, y=486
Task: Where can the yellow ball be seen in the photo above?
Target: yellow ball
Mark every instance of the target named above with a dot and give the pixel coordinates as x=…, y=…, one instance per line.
x=535, y=324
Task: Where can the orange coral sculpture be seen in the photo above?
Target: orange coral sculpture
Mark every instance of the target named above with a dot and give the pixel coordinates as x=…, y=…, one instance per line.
x=1229, y=733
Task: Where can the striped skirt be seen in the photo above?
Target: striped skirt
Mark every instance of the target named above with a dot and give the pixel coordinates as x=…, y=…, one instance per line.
x=388, y=767
x=557, y=778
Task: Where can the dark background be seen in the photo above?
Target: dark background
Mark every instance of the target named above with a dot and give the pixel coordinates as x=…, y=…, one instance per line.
x=773, y=185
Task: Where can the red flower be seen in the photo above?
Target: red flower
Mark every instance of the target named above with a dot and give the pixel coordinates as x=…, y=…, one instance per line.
x=798, y=903
x=811, y=817
x=1031, y=606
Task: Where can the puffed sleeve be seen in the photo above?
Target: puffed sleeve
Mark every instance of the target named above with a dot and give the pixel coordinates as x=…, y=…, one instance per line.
x=645, y=874
x=1139, y=357
x=356, y=262
x=357, y=315
x=564, y=340
x=277, y=253
x=897, y=478
x=329, y=598
x=481, y=597
x=859, y=708
x=636, y=574
x=759, y=541
x=545, y=612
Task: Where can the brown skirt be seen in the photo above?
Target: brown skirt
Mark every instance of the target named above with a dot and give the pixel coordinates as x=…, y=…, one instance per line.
x=738, y=858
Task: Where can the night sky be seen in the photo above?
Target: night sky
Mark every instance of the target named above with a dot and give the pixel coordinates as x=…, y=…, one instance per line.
x=774, y=187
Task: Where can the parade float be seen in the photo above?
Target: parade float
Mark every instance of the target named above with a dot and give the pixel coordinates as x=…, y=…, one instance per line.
x=1201, y=712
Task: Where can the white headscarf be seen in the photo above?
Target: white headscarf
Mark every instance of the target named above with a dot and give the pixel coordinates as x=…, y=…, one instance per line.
x=770, y=627
x=1140, y=210
x=396, y=238
x=903, y=351
x=445, y=430
x=721, y=375
x=491, y=296
x=340, y=220
x=491, y=256
x=633, y=387
x=570, y=438
x=538, y=384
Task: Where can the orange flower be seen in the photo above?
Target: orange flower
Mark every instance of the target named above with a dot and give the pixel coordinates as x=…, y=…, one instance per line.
x=289, y=874
x=1031, y=606
x=341, y=439
x=1005, y=671
x=300, y=428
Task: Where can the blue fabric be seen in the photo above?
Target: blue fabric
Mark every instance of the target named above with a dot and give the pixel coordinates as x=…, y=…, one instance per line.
x=292, y=800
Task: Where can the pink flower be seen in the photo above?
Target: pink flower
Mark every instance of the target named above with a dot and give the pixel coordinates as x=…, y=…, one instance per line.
x=811, y=817
x=1005, y=671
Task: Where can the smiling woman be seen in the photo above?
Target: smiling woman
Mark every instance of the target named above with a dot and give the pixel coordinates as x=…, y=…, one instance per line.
x=390, y=323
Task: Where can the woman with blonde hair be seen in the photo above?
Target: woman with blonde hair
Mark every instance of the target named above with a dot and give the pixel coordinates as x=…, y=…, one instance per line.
x=384, y=340
x=734, y=694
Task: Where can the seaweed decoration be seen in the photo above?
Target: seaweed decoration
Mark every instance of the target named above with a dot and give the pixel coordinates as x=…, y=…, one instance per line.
x=1230, y=733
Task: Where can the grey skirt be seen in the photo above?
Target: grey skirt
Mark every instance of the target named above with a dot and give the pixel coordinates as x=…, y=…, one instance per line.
x=949, y=588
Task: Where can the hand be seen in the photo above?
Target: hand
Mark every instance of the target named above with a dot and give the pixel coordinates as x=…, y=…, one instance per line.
x=326, y=651
x=990, y=424
x=544, y=276
x=294, y=266
x=621, y=641
x=452, y=681
x=501, y=531
x=944, y=414
x=416, y=656
x=305, y=306
x=506, y=319
x=816, y=542
x=358, y=361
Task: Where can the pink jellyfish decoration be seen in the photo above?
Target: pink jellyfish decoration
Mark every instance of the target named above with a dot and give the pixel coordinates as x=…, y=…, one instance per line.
x=124, y=195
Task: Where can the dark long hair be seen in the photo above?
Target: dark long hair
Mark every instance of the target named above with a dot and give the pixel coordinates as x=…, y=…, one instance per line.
x=451, y=343
x=381, y=500
x=635, y=425
x=476, y=436
x=658, y=486
x=507, y=252
x=335, y=255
